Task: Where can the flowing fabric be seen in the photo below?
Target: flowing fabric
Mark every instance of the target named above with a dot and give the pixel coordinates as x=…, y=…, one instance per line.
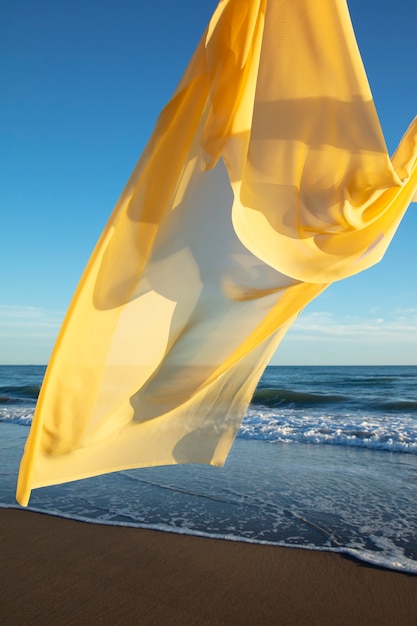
x=267, y=177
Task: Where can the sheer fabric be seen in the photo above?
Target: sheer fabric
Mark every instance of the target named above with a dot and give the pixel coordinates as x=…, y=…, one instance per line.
x=266, y=178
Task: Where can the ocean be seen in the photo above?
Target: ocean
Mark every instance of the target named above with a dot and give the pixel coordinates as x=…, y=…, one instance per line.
x=326, y=459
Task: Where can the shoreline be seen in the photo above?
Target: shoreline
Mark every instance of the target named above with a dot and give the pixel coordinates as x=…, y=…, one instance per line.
x=56, y=570
x=344, y=552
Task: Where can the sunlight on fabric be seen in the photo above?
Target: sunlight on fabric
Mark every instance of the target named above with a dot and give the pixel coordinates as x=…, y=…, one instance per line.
x=266, y=178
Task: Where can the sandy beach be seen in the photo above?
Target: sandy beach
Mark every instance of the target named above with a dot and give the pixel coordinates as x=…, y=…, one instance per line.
x=57, y=571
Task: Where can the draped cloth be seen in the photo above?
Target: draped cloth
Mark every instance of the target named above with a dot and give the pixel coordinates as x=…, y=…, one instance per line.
x=267, y=177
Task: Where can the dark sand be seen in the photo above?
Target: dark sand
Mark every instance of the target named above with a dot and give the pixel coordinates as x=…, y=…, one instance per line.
x=56, y=571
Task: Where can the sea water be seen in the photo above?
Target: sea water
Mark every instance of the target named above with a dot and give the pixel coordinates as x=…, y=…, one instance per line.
x=325, y=459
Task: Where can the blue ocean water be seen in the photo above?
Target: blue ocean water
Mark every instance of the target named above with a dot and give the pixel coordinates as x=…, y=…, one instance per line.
x=325, y=459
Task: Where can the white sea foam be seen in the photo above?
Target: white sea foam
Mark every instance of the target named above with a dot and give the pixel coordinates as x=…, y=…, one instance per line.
x=390, y=556
x=17, y=415
x=396, y=433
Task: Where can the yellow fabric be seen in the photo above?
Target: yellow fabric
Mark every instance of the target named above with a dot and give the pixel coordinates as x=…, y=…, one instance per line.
x=266, y=178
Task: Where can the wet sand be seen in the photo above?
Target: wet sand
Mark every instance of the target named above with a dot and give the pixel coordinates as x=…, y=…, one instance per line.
x=58, y=571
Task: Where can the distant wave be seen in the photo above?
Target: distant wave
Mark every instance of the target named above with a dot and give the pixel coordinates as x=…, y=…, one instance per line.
x=372, y=381
x=272, y=397
x=397, y=405
x=282, y=398
x=18, y=394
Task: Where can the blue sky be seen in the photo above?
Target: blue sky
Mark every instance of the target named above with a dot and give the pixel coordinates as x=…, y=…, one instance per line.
x=82, y=85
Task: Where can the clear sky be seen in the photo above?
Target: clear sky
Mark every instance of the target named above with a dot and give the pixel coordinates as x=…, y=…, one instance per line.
x=82, y=85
